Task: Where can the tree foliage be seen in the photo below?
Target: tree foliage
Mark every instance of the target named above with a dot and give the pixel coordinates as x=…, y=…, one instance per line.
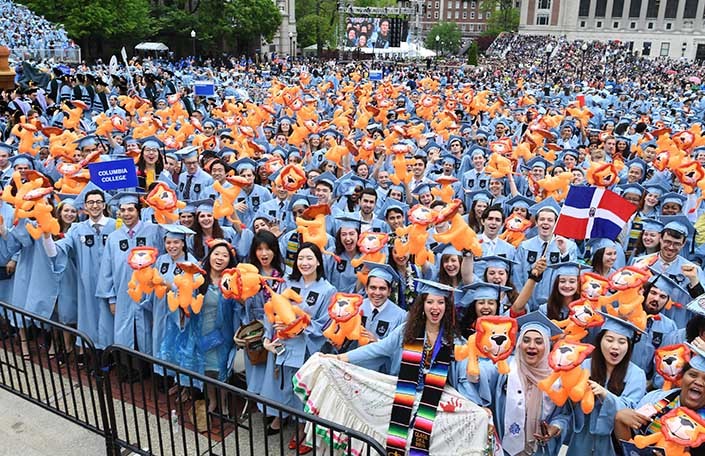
x=504, y=16
x=449, y=38
x=472, y=53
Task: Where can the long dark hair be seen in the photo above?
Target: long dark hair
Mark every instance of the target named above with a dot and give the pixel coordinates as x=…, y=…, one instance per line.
x=198, y=250
x=443, y=276
x=598, y=261
x=467, y=322
x=694, y=327
x=472, y=219
x=512, y=294
x=270, y=240
x=416, y=320
x=339, y=247
x=598, y=367
x=158, y=166
x=320, y=272
x=206, y=265
x=555, y=301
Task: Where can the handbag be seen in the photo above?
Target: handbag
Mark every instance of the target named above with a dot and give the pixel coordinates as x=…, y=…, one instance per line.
x=250, y=337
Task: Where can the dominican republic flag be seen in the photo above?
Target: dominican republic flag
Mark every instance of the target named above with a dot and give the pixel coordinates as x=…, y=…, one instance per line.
x=593, y=212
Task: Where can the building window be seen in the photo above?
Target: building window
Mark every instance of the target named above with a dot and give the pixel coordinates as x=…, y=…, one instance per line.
x=652, y=8
x=635, y=8
x=615, y=24
x=465, y=14
x=665, y=49
x=584, y=8
x=473, y=5
x=691, y=9
x=430, y=5
x=671, y=9
x=435, y=15
x=472, y=27
x=457, y=4
x=437, y=5
x=487, y=16
x=448, y=16
x=544, y=4
x=650, y=25
x=601, y=8
x=617, y=8
x=646, y=49
x=598, y=24
x=428, y=15
x=582, y=24
x=479, y=16
x=669, y=26
x=457, y=14
x=542, y=19
x=472, y=14
x=632, y=25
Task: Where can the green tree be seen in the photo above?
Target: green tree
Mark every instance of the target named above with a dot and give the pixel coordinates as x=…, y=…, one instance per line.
x=472, y=53
x=448, y=35
x=504, y=16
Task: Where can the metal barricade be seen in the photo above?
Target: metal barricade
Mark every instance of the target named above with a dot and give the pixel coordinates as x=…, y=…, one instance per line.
x=66, y=382
x=169, y=414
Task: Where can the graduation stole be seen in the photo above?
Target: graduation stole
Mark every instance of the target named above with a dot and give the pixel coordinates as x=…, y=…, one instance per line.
x=411, y=373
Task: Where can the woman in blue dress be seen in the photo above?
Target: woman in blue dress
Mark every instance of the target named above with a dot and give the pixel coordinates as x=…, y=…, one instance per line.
x=265, y=255
x=616, y=382
x=308, y=280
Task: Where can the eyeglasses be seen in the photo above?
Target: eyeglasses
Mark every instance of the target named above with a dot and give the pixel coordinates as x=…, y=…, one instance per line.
x=95, y=203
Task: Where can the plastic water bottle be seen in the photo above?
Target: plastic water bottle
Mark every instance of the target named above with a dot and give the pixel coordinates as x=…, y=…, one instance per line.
x=174, y=421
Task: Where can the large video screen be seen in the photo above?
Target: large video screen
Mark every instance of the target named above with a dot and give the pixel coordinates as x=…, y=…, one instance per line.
x=378, y=33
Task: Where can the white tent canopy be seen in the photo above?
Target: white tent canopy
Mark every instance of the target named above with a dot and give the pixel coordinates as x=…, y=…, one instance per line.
x=149, y=46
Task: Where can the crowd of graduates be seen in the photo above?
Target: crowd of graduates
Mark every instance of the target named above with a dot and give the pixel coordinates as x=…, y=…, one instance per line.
x=284, y=149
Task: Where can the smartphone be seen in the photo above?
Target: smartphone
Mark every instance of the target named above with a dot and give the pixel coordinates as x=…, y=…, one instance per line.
x=280, y=349
x=544, y=428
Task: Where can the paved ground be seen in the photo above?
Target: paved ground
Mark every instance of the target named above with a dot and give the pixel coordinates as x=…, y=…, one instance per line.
x=29, y=430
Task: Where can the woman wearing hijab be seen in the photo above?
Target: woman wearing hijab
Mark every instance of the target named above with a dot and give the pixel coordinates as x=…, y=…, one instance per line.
x=527, y=422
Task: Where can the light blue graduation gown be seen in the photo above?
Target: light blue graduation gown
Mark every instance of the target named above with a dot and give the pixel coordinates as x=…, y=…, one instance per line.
x=162, y=317
x=199, y=185
x=254, y=310
x=341, y=274
x=592, y=433
x=7, y=212
x=385, y=321
x=253, y=200
x=500, y=248
x=133, y=322
x=652, y=339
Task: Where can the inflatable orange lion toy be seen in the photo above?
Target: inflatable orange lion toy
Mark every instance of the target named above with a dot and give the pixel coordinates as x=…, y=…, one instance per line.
x=602, y=174
x=283, y=309
x=242, y=282
x=581, y=317
x=186, y=283
x=628, y=282
x=41, y=211
x=164, y=202
x=223, y=206
x=459, y=235
x=495, y=339
x=145, y=279
x=312, y=225
x=669, y=362
x=346, y=319
x=565, y=360
x=416, y=235
x=681, y=428
x=291, y=177
x=515, y=228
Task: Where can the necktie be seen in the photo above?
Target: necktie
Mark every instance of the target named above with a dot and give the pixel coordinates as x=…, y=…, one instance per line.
x=187, y=192
x=374, y=314
x=131, y=233
x=96, y=228
x=544, y=248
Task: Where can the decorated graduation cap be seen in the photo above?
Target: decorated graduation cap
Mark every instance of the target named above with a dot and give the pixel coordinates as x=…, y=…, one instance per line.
x=152, y=142
x=673, y=197
x=187, y=152
x=678, y=223
x=482, y=290
x=174, y=231
x=383, y=271
x=434, y=288
x=665, y=283
x=619, y=326
x=569, y=268
x=538, y=321
x=496, y=261
x=549, y=204
x=243, y=164
x=22, y=159
x=125, y=198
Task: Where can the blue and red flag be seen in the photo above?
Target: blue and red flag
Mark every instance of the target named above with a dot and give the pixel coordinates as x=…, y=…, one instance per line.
x=593, y=212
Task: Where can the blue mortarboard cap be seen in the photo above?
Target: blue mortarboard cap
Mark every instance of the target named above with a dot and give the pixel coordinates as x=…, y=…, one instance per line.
x=262, y=215
x=449, y=158
x=204, y=205
x=568, y=268
x=299, y=199
x=549, y=204
x=639, y=163
x=125, y=198
x=446, y=249
x=538, y=321
x=673, y=198
x=391, y=203
x=174, y=231
x=431, y=145
x=455, y=138
x=383, y=271
x=87, y=141
x=648, y=144
x=243, y=164
x=632, y=189
x=477, y=150
x=190, y=208
x=482, y=290
x=650, y=224
x=434, y=288
x=22, y=159
x=496, y=261
x=572, y=152
x=538, y=162
x=619, y=326
x=152, y=142
x=67, y=199
x=480, y=195
x=519, y=201
x=349, y=221
x=678, y=223
x=346, y=184
x=421, y=189
x=7, y=148
x=601, y=243
x=327, y=178
x=187, y=152
x=656, y=188
x=666, y=284
x=697, y=359
x=481, y=133
x=81, y=197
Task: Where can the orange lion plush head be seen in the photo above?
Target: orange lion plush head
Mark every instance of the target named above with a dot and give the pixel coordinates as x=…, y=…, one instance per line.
x=241, y=282
x=291, y=178
x=496, y=337
x=568, y=355
x=344, y=306
x=142, y=257
x=371, y=242
x=689, y=173
x=602, y=174
x=669, y=362
x=421, y=215
x=593, y=285
x=628, y=277
x=584, y=315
